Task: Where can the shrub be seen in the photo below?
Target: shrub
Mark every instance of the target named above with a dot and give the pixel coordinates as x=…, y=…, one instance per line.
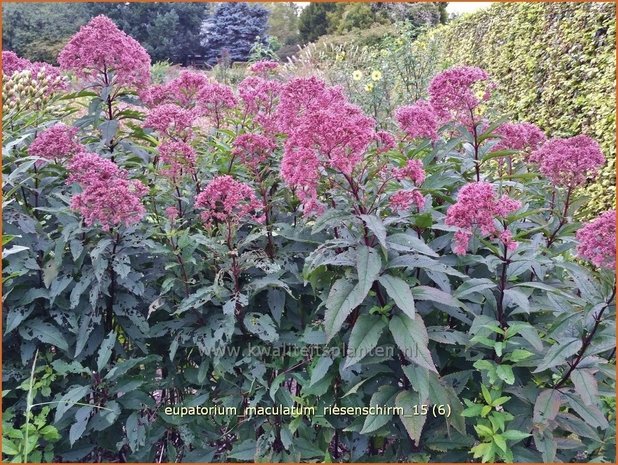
x=215, y=274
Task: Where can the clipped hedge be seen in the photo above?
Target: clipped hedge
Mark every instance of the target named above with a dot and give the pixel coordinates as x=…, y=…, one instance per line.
x=556, y=66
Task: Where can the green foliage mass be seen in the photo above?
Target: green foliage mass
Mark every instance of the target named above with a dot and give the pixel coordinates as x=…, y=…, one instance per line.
x=556, y=66
x=38, y=31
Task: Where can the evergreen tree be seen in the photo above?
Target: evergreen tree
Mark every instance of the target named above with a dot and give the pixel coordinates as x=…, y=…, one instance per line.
x=314, y=21
x=233, y=30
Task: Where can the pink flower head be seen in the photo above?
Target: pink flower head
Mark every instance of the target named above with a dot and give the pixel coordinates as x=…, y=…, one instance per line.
x=523, y=137
x=300, y=170
x=178, y=159
x=171, y=120
x=100, y=48
x=56, y=143
x=11, y=63
x=456, y=92
x=569, y=162
x=108, y=197
x=419, y=120
x=477, y=206
x=323, y=127
x=385, y=141
x=214, y=99
x=263, y=67
x=597, y=240
x=260, y=98
x=403, y=200
x=171, y=213
x=225, y=200
x=181, y=91
x=253, y=149
x=413, y=171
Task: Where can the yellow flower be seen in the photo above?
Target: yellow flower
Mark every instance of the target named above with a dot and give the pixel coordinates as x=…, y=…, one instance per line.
x=399, y=42
x=369, y=87
x=376, y=75
x=357, y=75
x=340, y=56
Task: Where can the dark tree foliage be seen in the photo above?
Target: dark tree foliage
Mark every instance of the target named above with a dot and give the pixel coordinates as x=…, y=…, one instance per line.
x=233, y=29
x=168, y=31
x=38, y=31
x=314, y=21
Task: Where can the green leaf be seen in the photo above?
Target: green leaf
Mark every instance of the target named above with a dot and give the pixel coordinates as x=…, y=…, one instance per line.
x=586, y=385
x=412, y=339
x=44, y=332
x=368, y=265
x=547, y=405
x=435, y=295
x=515, y=435
x=77, y=429
x=364, y=337
x=557, y=354
x=319, y=370
x=262, y=326
x=410, y=242
x=385, y=396
x=244, y=450
x=75, y=394
x=400, y=292
x=376, y=226
x=505, y=373
x=136, y=431
x=412, y=423
x=344, y=297
x=105, y=351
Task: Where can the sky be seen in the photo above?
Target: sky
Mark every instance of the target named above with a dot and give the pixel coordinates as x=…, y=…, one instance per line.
x=466, y=7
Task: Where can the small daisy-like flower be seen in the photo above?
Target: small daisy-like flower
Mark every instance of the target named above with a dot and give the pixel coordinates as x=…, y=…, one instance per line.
x=357, y=75
x=376, y=75
x=369, y=87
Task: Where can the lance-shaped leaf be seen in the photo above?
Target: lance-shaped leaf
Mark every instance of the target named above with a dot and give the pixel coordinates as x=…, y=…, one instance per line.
x=411, y=337
x=400, y=292
x=365, y=335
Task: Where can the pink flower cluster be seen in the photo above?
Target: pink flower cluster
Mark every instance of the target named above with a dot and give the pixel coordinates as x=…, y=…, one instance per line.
x=260, y=98
x=214, y=99
x=108, y=197
x=178, y=159
x=263, y=67
x=477, y=206
x=100, y=48
x=523, y=137
x=172, y=120
x=324, y=132
x=569, y=162
x=12, y=63
x=413, y=170
x=419, y=120
x=42, y=73
x=456, y=92
x=253, y=150
x=403, y=200
x=225, y=200
x=56, y=143
x=181, y=91
x=597, y=240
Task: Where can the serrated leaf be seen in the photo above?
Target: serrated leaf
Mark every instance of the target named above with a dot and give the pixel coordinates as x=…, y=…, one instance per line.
x=412, y=423
x=412, y=339
x=586, y=385
x=385, y=396
x=344, y=297
x=105, y=351
x=368, y=265
x=400, y=292
x=547, y=405
x=364, y=337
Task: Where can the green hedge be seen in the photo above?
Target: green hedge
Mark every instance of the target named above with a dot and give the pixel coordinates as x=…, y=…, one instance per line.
x=555, y=64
